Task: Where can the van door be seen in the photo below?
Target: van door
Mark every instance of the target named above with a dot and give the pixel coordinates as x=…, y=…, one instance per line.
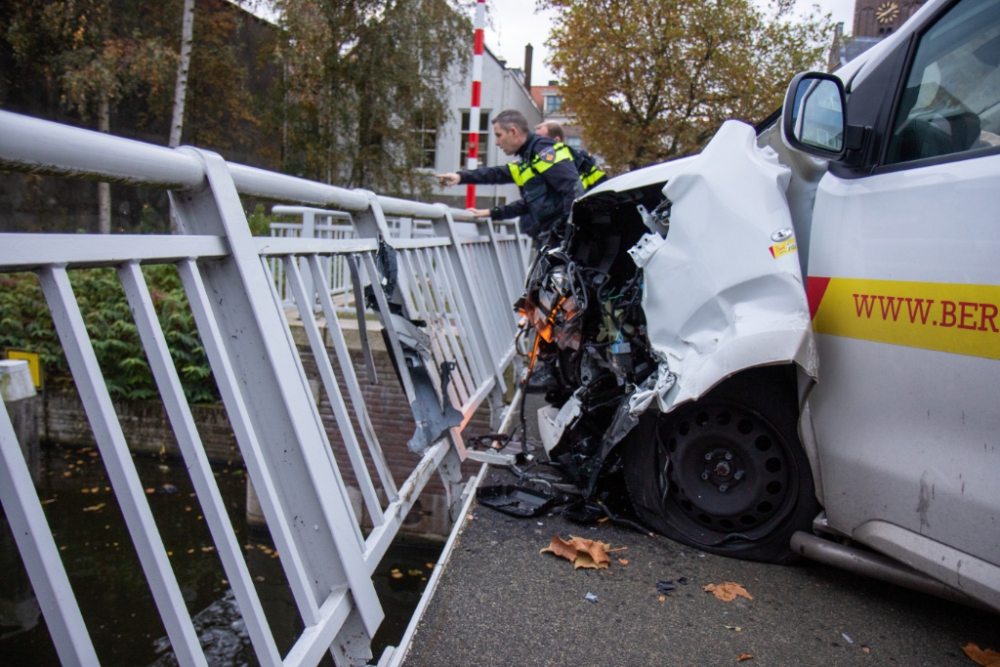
x=904, y=286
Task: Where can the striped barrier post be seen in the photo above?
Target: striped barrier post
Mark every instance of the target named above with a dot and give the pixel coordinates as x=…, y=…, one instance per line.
x=477, y=86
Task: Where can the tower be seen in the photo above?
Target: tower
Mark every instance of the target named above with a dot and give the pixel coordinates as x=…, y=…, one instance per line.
x=880, y=18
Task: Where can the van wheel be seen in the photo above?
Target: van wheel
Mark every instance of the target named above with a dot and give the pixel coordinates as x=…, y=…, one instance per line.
x=727, y=473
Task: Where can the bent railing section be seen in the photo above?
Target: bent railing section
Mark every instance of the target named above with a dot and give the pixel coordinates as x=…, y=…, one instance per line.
x=459, y=286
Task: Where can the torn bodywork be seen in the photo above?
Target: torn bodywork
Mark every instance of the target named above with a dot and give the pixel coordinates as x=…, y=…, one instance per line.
x=669, y=280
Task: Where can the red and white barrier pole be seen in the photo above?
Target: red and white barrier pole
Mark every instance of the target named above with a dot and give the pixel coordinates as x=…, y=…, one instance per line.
x=477, y=87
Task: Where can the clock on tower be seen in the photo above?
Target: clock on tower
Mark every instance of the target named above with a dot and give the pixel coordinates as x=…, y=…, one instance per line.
x=881, y=18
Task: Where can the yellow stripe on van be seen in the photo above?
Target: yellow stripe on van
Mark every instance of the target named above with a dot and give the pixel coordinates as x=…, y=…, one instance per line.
x=949, y=317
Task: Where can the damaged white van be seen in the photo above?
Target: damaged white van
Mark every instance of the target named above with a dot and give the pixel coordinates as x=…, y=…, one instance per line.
x=797, y=331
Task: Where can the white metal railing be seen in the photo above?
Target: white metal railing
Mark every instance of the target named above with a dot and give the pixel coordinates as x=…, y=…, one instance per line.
x=512, y=249
x=461, y=286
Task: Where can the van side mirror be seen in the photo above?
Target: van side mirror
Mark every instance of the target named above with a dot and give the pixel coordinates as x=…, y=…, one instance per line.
x=813, y=119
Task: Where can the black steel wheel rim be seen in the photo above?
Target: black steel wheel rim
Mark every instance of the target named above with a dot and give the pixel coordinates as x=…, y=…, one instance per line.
x=725, y=472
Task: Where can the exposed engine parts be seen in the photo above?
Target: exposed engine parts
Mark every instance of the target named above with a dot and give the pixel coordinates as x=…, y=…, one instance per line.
x=584, y=333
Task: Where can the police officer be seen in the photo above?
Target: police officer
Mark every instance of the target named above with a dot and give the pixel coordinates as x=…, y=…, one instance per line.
x=544, y=172
x=590, y=173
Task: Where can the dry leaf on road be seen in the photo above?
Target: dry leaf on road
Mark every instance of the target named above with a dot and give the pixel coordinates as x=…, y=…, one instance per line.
x=986, y=658
x=744, y=656
x=590, y=554
x=728, y=591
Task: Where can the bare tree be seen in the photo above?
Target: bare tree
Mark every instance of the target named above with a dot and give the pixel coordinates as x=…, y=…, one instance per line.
x=180, y=90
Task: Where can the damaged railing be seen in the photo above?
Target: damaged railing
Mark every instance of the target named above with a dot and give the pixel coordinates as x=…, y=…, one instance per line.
x=443, y=302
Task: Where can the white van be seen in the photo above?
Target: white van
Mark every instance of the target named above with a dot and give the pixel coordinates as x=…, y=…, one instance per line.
x=901, y=253
x=820, y=299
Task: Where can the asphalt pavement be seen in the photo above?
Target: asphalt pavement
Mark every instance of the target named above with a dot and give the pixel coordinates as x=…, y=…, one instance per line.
x=501, y=603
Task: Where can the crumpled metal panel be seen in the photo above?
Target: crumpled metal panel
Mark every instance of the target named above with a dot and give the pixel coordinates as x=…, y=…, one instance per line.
x=724, y=291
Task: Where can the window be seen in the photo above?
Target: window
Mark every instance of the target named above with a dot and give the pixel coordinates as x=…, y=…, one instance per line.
x=952, y=99
x=428, y=146
x=552, y=103
x=484, y=136
x=573, y=142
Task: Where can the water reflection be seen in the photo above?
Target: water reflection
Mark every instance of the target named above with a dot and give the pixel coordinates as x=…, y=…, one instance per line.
x=111, y=589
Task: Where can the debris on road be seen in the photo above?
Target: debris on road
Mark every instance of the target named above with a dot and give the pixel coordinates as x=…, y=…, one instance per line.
x=623, y=561
x=846, y=638
x=590, y=554
x=519, y=501
x=744, y=656
x=727, y=591
x=591, y=597
x=984, y=657
x=733, y=627
x=665, y=586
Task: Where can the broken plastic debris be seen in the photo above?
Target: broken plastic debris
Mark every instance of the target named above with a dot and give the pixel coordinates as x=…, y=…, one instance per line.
x=984, y=657
x=665, y=586
x=728, y=591
x=846, y=638
x=733, y=627
x=591, y=597
x=591, y=554
x=744, y=656
x=519, y=501
x=682, y=580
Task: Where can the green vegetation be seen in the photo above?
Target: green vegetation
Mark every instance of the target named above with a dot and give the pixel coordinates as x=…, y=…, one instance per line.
x=26, y=324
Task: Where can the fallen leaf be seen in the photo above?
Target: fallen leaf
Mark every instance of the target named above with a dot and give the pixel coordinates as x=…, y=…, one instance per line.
x=414, y=573
x=663, y=598
x=611, y=551
x=207, y=549
x=470, y=517
x=590, y=554
x=224, y=582
x=190, y=551
x=258, y=578
x=95, y=489
x=50, y=500
x=623, y=561
x=84, y=490
x=148, y=491
x=744, y=656
x=397, y=575
x=728, y=591
x=94, y=508
x=866, y=649
x=986, y=658
x=602, y=519
x=430, y=566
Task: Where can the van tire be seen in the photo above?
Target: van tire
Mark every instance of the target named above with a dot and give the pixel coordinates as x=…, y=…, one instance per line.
x=726, y=474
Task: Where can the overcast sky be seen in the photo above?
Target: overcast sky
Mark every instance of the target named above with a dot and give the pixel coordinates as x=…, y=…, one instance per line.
x=516, y=23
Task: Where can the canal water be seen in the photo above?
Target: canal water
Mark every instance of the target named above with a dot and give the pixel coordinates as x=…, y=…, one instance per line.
x=114, y=597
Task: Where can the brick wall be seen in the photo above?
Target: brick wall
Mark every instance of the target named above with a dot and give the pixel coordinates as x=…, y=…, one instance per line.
x=147, y=429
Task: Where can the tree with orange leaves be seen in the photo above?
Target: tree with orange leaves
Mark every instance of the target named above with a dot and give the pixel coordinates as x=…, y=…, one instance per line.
x=652, y=80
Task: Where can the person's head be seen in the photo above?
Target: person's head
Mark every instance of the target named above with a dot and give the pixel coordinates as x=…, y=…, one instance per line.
x=510, y=128
x=550, y=129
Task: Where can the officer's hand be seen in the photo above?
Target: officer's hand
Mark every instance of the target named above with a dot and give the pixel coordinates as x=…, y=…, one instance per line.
x=449, y=179
x=479, y=212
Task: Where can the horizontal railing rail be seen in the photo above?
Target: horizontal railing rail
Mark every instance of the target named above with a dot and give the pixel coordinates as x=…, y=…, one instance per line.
x=452, y=297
